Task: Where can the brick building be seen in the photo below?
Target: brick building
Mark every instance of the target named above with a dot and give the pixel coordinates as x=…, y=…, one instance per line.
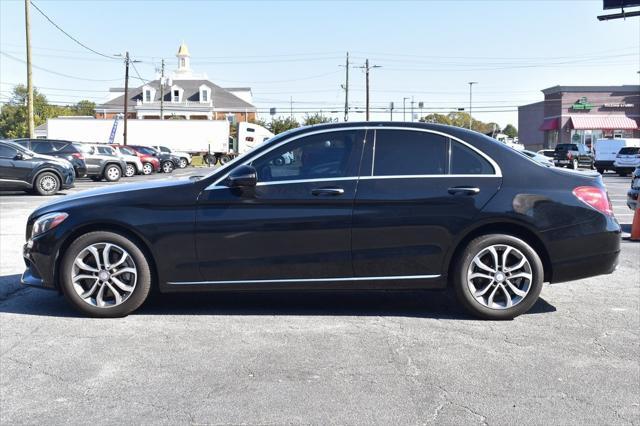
x=183, y=95
x=580, y=114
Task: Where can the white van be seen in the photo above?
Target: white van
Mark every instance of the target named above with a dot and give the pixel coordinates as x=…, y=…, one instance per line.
x=606, y=151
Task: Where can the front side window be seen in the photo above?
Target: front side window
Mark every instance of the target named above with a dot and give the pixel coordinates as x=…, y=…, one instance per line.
x=465, y=161
x=42, y=147
x=165, y=149
x=405, y=153
x=7, y=152
x=322, y=156
x=127, y=151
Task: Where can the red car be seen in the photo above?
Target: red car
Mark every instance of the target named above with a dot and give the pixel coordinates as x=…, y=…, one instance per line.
x=150, y=163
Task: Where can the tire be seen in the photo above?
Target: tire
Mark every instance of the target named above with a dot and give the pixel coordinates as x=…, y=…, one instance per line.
x=130, y=170
x=601, y=171
x=183, y=163
x=112, y=173
x=483, y=306
x=167, y=167
x=574, y=165
x=147, y=169
x=132, y=288
x=95, y=178
x=224, y=159
x=211, y=160
x=623, y=174
x=46, y=183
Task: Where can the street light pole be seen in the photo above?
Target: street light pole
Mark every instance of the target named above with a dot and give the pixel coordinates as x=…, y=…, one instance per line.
x=471, y=83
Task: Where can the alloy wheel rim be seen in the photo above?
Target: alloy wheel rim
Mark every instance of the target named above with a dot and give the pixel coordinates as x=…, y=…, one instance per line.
x=130, y=171
x=166, y=167
x=183, y=163
x=147, y=169
x=499, y=277
x=104, y=275
x=48, y=183
x=113, y=173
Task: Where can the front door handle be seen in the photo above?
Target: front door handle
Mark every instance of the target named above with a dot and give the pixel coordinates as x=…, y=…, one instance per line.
x=327, y=191
x=466, y=190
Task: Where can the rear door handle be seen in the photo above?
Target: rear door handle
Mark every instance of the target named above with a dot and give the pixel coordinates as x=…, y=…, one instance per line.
x=327, y=191
x=466, y=190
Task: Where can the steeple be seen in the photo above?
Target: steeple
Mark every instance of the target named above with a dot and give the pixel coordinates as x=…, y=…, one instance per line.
x=184, y=57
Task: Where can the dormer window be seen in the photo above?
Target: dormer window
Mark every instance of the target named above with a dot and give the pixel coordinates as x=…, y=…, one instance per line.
x=176, y=94
x=148, y=94
x=205, y=94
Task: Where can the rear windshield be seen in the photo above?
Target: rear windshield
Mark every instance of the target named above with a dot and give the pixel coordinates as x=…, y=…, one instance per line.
x=567, y=147
x=629, y=150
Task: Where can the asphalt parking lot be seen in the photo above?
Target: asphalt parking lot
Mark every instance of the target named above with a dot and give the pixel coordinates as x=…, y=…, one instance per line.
x=320, y=358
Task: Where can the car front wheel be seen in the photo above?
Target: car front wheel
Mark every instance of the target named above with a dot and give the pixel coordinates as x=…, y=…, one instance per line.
x=498, y=277
x=130, y=171
x=47, y=183
x=112, y=173
x=167, y=167
x=105, y=274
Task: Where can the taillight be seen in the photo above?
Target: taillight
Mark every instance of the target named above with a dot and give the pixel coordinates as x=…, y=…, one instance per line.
x=569, y=156
x=594, y=197
x=77, y=155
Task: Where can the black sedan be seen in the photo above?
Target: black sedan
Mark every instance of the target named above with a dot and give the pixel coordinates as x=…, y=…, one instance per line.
x=25, y=170
x=362, y=206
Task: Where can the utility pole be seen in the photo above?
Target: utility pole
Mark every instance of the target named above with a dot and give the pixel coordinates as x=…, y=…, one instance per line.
x=27, y=22
x=346, y=90
x=162, y=90
x=126, y=95
x=368, y=68
x=412, y=108
x=404, y=109
x=291, y=106
x=391, y=111
x=471, y=83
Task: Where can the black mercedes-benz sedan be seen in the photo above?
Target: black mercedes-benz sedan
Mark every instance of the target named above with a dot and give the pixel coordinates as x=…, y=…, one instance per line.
x=382, y=206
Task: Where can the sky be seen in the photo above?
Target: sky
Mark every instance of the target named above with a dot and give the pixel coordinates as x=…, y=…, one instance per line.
x=287, y=51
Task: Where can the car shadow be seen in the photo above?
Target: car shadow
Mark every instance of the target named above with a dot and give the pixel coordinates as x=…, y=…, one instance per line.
x=415, y=303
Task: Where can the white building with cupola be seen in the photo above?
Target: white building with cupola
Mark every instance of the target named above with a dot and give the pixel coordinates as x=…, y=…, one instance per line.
x=182, y=94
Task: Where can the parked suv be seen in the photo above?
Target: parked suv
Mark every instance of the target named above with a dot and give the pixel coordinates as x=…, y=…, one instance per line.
x=133, y=163
x=25, y=170
x=150, y=163
x=107, y=166
x=168, y=162
x=57, y=148
x=573, y=155
x=627, y=160
x=184, y=157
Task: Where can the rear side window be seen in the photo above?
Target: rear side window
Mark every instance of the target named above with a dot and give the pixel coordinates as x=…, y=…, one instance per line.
x=59, y=145
x=42, y=147
x=68, y=148
x=409, y=153
x=629, y=150
x=465, y=161
x=23, y=142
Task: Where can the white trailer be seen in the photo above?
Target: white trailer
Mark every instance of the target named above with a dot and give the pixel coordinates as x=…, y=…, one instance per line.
x=193, y=136
x=251, y=135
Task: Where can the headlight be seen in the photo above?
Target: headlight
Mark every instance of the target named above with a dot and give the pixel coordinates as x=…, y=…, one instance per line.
x=47, y=222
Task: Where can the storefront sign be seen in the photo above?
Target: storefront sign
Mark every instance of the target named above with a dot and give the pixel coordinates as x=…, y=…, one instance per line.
x=582, y=104
x=620, y=105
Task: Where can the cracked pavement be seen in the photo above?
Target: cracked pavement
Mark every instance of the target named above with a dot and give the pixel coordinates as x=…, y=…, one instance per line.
x=320, y=358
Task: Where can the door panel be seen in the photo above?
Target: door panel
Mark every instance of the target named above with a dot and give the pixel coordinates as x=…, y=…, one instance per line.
x=295, y=224
x=418, y=196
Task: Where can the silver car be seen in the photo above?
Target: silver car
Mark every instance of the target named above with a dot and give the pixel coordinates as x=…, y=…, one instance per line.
x=134, y=165
x=102, y=164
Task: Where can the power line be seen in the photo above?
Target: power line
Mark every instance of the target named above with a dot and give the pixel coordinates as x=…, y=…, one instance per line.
x=69, y=35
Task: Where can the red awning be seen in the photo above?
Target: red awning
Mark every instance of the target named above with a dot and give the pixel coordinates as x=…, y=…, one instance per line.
x=549, y=124
x=598, y=122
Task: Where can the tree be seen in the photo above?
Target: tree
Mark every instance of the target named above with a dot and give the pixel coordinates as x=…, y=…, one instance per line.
x=85, y=107
x=510, y=130
x=436, y=118
x=13, y=115
x=317, y=118
x=279, y=125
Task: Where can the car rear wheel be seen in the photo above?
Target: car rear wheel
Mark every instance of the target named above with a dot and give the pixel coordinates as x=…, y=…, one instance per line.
x=130, y=171
x=183, y=163
x=498, y=277
x=147, y=168
x=601, y=171
x=112, y=173
x=167, y=167
x=104, y=274
x=47, y=183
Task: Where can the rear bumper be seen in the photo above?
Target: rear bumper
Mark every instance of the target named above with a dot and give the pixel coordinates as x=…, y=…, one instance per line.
x=585, y=267
x=80, y=171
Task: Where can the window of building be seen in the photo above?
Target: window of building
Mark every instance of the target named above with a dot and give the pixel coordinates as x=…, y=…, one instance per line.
x=322, y=156
x=176, y=95
x=182, y=62
x=406, y=153
x=147, y=95
x=465, y=161
x=205, y=96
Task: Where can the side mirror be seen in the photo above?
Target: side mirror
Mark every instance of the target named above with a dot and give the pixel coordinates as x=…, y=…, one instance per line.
x=243, y=176
x=19, y=156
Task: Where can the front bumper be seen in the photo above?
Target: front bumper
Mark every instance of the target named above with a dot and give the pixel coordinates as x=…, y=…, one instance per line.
x=33, y=275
